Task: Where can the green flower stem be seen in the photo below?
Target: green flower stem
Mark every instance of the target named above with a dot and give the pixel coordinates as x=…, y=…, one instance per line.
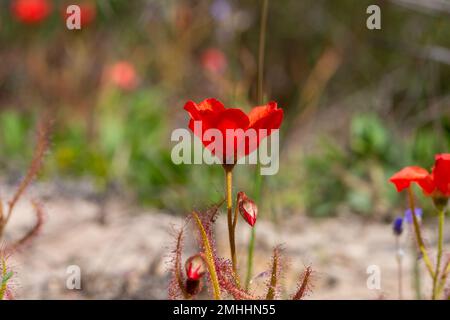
x=251, y=244
x=231, y=223
x=419, y=239
x=235, y=218
x=250, y=254
x=443, y=279
x=439, y=253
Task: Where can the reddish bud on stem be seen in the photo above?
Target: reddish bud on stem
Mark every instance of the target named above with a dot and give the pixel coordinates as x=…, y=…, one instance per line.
x=195, y=267
x=247, y=208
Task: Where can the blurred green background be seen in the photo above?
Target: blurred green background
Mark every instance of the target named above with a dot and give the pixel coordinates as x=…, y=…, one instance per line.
x=359, y=104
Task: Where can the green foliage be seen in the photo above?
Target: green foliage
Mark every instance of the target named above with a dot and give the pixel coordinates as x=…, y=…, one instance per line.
x=128, y=146
x=368, y=136
x=14, y=129
x=322, y=194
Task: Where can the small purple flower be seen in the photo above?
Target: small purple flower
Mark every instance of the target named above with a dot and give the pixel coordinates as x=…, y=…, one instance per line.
x=409, y=217
x=397, y=226
x=221, y=10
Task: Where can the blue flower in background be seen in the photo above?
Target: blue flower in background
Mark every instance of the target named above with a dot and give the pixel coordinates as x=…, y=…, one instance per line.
x=221, y=10
x=397, y=227
x=409, y=217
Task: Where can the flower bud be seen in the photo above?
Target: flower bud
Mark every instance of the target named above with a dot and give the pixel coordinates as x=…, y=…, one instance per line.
x=440, y=202
x=397, y=226
x=193, y=287
x=247, y=208
x=195, y=267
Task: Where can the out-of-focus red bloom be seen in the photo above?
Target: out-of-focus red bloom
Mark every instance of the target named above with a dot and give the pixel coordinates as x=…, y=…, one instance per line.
x=259, y=123
x=88, y=12
x=404, y=177
x=195, y=267
x=123, y=75
x=247, y=208
x=31, y=11
x=435, y=184
x=214, y=61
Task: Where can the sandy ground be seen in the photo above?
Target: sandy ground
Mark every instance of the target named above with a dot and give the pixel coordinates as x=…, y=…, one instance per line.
x=126, y=258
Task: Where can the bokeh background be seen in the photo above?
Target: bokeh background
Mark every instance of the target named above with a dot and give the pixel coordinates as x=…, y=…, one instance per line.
x=359, y=104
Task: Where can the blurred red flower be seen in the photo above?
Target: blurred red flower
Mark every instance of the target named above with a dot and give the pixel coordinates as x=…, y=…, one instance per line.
x=31, y=11
x=88, y=12
x=214, y=61
x=122, y=74
x=212, y=114
x=436, y=183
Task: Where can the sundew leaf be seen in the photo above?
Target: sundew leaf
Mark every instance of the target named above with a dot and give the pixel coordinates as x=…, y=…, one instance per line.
x=274, y=275
x=7, y=277
x=208, y=256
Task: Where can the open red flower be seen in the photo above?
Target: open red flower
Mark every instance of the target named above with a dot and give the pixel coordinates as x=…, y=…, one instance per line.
x=241, y=133
x=31, y=11
x=436, y=183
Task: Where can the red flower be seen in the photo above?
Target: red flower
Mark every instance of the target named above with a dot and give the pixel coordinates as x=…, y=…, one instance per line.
x=436, y=183
x=123, y=75
x=31, y=11
x=214, y=61
x=247, y=130
x=247, y=208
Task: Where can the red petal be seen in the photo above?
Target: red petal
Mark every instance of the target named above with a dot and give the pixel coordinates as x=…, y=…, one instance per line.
x=441, y=173
x=404, y=177
x=221, y=120
x=266, y=117
x=230, y=119
x=196, y=110
x=206, y=111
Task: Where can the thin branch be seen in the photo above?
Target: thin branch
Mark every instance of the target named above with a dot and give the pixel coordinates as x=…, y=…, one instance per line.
x=36, y=164
x=34, y=232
